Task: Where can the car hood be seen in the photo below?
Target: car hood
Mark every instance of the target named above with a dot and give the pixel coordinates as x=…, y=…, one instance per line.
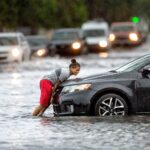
x=58, y=42
x=122, y=33
x=95, y=40
x=6, y=48
x=90, y=79
x=37, y=47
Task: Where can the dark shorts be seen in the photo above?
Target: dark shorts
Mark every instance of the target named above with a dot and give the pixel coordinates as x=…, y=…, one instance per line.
x=46, y=92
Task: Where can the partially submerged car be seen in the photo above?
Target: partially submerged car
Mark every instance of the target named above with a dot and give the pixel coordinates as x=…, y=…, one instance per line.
x=38, y=45
x=127, y=33
x=14, y=47
x=119, y=92
x=68, y=41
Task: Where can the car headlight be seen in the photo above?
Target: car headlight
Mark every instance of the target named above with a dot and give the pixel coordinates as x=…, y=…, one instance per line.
x=111, y=37
x=133, y=37
x=76, y=88
x=15, y=52
x=103, y=44
x=76, y=45
x=41, y=52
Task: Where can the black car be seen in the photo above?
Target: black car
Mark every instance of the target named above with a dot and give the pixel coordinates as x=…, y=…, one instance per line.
x=38, y=45
x=119, y=92
x=68, y=41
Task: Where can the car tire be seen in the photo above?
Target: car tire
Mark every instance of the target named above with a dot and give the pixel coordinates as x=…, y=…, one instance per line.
x=111, y=105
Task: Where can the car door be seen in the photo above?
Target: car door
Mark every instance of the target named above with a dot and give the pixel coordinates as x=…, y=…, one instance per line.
x=143, y=92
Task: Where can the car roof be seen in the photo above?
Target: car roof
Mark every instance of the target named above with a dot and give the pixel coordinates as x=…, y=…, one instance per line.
x=10, y=33
x=36, y=37
x=95, y=25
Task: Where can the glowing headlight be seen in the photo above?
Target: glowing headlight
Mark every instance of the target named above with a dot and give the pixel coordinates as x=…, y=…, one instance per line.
x=103, y=44
x=41, y=52
x=76, y=45
x=111, y=37
x=133, y=37
x=76, y=88
x=103, y=54
x=15, y=52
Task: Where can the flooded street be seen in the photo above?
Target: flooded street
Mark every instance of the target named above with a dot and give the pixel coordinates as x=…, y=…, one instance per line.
x=19, y=95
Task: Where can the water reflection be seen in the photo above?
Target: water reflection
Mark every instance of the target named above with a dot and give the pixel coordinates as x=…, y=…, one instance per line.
x=19, y=95
x=90, y=120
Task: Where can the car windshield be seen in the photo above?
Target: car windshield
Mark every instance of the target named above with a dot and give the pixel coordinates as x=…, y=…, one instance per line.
x=8, y=41
x=134, y=64
x=122, y=28
x=66, y=35
x=37, y=41
x=94, y=33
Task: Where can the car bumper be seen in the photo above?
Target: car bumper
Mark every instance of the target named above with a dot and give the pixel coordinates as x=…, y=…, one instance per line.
x=73, y=104
x=69, y=109
x=97, y=48
x=65, y=49
x=6, y=57
x=39, y=52
x=125, y=42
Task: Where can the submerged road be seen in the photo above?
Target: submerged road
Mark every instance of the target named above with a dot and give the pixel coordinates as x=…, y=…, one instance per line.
x=19, y=95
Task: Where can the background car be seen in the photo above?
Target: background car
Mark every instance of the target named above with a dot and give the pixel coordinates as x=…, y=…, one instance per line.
x=119, y=92
x=127, y=33
x=13, y=47
x=68, y=41
x=38, y=45
x=96, y=35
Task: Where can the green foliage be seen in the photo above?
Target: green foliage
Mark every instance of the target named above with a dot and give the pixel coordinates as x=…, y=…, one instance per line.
x=68, y=13
x=42, y=13
x=142, y=8
x=111, y=10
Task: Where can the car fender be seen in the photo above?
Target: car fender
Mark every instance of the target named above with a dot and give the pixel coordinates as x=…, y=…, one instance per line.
x=124, y=91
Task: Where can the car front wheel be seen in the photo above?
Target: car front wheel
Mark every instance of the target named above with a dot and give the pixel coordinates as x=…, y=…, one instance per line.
x=111, y=105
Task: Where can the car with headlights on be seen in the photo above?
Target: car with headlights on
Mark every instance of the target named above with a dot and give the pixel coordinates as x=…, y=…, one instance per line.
x=14, y=47
x=68, y=41
x=127, y=33
x=119, y=92
x=38, y=45
x=96, y=35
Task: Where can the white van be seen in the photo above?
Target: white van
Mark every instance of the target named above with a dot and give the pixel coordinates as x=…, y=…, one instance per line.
x=96, y=35
x=14, y=47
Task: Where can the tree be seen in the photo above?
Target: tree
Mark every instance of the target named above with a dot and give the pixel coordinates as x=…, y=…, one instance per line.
x=110, y=10
x=42, y=13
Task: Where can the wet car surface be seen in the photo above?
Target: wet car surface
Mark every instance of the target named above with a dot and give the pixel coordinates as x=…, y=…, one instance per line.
x=118, y=92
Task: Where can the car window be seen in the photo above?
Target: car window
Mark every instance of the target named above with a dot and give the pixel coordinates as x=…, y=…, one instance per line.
x=37, y=41
x=94, y=33
x=134, y=64
x=8, y=41
x=71, y=35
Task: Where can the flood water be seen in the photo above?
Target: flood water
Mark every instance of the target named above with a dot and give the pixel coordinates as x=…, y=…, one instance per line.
x=19, y=95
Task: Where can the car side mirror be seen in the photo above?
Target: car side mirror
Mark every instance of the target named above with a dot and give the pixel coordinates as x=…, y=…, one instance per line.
x=146, y=71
